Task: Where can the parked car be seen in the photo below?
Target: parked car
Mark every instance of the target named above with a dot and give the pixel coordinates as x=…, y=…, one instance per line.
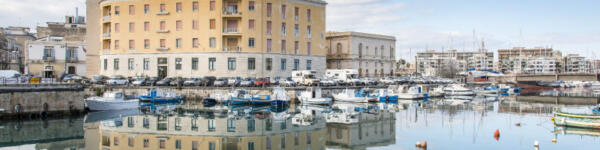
x=164, y=82
x=286, y=82
x=234, y=81
x=117, y=80
x=221, y=82
x=152, y=81
x=75, y=79
x=177, y=81
x=327, y=82
x=98, y=79
x=262, y=82
x=387, y=81
x=208, y=80
x=247, y=82
x=275, y=80
x=193, y=82
x=139, y=81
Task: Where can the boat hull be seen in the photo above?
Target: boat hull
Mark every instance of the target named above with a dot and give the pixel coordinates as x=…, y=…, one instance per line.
x=96, y=105
x=316, y=101
x=279, y=102
x=577, y=122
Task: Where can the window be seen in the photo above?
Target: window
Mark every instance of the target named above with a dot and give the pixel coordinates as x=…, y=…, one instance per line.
x=178, y=7
x=131, y=44
x=296, y=13
x=195, y=42
x=308, y=33
x=146, y=43
x=251, y=42
x=282, y=141
x=212, y=24
x=296, y=30
x=296, y=139
x=163, y=25
x=283, y=46
x=195, y=6
x=212, y=5
x=117, y=10
x=163, y=8
x=117, y=29
x=177, y=63
x=211, y=64
x=308, y=48
x=146, y=26
x=283, y=63
x=268, y=143
x=116, y=64
x=230, y=125
x=283, y=29
x=116, y=44
x=296, y=47
x=268, y=64
x=146, y=8
x=250, y=145
x=146, y=142
x=251, y=24
x=251, y=5
x=162, y=143
x=116, y=141
x=146, y=63
x=269, y=27
x=230, y=63
x=360, y=47
x=105, y=64
x=178, y=42
x=130, y=141
x=178, y=25
x=375, y=51
x=130, y=64
x=308, y=64
x=211, y=145
x=251, y=63
x=163, y=43
x=296, y=64
x=194, y=145
x=131, y=10
x=308, y=137
x=269, y=45
x=283, y=11
x=194, y=63
x=195, y=24
x=269, y=10
x=177, y=144
x=212, y=42
x=308, y=15
x=131, y=27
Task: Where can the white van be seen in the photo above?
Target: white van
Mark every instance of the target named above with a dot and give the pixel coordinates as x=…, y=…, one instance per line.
x=305, y=77
x=343, y=76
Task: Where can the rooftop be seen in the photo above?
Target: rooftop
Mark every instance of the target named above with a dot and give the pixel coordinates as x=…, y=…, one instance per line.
x=359, y=34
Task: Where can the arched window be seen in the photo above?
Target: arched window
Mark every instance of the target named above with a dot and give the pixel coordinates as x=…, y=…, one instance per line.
x=360, y=50
x=339, y=48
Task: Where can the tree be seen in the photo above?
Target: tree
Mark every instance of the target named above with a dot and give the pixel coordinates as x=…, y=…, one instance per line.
x=447, y=69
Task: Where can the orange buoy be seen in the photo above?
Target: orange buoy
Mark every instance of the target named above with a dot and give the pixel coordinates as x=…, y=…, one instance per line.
x=497, y=134
x=424, y=144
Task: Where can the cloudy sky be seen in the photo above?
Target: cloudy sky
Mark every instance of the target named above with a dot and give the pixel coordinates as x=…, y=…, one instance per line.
x=569, y=26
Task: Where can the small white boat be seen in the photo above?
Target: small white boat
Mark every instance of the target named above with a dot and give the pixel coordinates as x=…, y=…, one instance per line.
x=413, y=92
x=436, y=92
x=111, y=101
x=313, y=96
x=348, y=95
x=458, y=90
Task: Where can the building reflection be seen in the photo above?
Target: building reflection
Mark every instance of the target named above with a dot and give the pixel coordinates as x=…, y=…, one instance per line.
x=202, y=129
x=62, y=133
x=358, y=126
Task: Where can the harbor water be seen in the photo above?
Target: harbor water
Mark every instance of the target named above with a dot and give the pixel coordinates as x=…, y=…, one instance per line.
x=520, y=121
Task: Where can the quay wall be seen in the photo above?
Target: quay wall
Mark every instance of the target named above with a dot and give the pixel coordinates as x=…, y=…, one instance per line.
x=36, y=101
x=34, y=131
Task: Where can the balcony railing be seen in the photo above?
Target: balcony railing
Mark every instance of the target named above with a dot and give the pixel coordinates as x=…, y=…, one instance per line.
x=230, y=30
x=106, y=35
x=231, y=11
x=232, y=49
x=162, y=31
x=164, y=12
x=162, y=48
x=71, y=59
x=106, y=18
x=48, y=58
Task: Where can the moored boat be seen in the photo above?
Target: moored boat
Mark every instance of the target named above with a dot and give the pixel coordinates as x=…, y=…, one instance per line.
x=313, y=95
x=577, y=122
x=111, y=101
x=458, y=90
x=349, y=95
x=161, y=96
x=279, y=97
x=239, y=97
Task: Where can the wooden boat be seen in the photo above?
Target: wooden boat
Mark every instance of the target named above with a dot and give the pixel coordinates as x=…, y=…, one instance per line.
x=575, y=115
x=577, y=122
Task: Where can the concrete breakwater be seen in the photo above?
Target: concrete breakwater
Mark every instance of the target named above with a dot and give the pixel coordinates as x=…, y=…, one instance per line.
x=40, y=100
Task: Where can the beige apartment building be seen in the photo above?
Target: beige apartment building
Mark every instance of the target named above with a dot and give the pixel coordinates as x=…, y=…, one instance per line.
x=517, y=60
x=223, y=38
x=372, y=55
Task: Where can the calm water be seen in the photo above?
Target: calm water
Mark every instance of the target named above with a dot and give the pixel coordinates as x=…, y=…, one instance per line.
x=443, y=123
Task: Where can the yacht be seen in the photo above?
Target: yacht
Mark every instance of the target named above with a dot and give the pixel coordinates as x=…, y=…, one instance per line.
x=349, y=95
x=313, y=96
x=111, y=101
x=457, y=90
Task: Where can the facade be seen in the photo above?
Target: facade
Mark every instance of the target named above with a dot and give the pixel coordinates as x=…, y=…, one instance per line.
x=223, y=38
x=515, y=60
x=51, y=57
x=10, y=54
x=92, y=38
x=73, y=29
x=18, y=36
x=577, y=64
x=429, y=63
x=367, y=129
x=543, y=65
x=371, y=54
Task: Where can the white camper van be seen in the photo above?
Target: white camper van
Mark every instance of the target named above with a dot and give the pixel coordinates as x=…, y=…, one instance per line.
x=343, y=76
x=305, y=77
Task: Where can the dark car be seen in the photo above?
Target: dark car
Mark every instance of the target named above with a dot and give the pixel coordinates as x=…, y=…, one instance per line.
x=164, y=82
x=193, y=82
x=262, y=82
x=208, y=80
x=177, y=81
x=152, y=81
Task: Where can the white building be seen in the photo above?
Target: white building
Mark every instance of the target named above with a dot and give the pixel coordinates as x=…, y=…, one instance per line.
x=371, y=54
x=543, y=65
x=52, y=57
x=577, y=64
x=431, y=61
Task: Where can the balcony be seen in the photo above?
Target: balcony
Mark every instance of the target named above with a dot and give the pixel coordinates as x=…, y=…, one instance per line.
x=231, y=12
x=162, y=49
x=231, y=31
x=162, y=31
x=106, y=18
x=106, y=51
x=48, y=58
x=164, y=12
x=106, y=35
x=72, y=59
x=232, y=49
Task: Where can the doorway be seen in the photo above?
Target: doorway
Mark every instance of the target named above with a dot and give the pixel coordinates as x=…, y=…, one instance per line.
x=71, y=70
x=162, y=72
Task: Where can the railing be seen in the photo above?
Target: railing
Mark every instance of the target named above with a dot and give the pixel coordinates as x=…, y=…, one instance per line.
x=106, y=35
x=48, y=58
x=162, y=48
x=231, y=11
x=232, y=49
x=164, y=12
x=71, y=59
x=162, y=31
x=230, y=30
x=106, y=18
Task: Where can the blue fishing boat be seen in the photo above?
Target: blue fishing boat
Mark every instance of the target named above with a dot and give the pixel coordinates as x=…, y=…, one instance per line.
x=161, y=96
x=280, y=97
x=261, y=99
x=240, y=97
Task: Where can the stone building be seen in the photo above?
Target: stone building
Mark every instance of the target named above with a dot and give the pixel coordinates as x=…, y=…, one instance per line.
x=73, y=29
x=17, y=38
x=52, y=57
x=222, y=38
x=372, y=55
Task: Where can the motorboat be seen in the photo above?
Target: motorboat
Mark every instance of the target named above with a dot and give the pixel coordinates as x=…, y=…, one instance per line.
x=111, y=101
x=313, y=95
x=491, y=90
x=239, y=97
x=349, y=95
x=161, y=96
x=436, y=92
x=457, y=90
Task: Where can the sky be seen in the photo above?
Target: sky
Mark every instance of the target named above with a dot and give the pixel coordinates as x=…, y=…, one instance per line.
x=569, y=26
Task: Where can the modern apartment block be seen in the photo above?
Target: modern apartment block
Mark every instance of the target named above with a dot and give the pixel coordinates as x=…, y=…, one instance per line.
x=575, y=63
x=515, y=60
x=429, y=63
x=223, y=38
x=542, y=65
x=52, y=57
x=371, y=54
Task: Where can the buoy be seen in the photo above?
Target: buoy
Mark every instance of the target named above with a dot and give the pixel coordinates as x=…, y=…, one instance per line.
x=497, y=134
x=518, y=124
x=424, y=144
x=554, y=141
x=536, y=144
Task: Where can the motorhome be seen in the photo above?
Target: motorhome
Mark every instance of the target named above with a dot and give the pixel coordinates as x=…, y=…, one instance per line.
x=343, y=76
x=305, y=77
